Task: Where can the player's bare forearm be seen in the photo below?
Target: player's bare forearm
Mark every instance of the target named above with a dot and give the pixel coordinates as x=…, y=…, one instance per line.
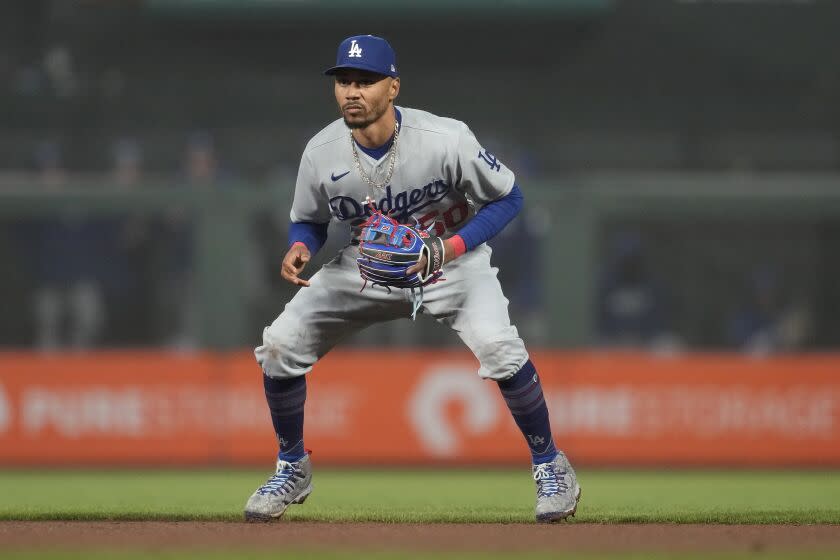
x=293, y=264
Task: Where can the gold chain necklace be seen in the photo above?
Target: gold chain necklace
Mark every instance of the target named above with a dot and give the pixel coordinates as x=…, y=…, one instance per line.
x=392, y=155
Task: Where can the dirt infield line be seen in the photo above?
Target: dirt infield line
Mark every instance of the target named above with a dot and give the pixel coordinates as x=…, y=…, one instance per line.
x=420, y=537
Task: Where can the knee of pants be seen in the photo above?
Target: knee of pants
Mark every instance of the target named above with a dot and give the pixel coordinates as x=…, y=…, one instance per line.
x=501, y=359
x=279, y=356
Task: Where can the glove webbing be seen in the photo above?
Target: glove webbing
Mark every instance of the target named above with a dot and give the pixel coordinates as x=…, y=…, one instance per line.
x=435, y=260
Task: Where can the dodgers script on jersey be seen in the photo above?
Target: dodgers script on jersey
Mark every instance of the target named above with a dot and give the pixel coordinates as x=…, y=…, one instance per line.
x=442, y=176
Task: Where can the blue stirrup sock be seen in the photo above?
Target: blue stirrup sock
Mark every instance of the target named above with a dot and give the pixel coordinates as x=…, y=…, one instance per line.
x=286, y=398
x=524, y=397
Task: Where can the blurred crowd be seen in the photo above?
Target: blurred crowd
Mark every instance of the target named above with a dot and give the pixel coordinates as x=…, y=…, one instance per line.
x=636, y=305
x=111, y=280
x=128, y=280
x=101, y=281
x=123, y=99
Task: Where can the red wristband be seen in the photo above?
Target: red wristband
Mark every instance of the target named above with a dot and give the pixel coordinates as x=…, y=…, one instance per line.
x=299, y=243
x=458, y=244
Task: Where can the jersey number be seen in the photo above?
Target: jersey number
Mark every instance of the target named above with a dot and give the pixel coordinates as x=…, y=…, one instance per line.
x=451, y=218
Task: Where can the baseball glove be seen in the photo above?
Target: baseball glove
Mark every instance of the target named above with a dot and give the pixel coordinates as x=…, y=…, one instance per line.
x=387, y=249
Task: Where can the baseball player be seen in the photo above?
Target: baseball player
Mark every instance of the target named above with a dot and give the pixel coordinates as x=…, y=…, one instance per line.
x=405, y=181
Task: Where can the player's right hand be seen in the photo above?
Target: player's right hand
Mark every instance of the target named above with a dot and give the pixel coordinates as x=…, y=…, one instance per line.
x=294, y=263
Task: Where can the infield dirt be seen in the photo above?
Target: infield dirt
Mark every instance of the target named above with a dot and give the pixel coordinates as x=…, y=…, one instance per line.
x=583, y=537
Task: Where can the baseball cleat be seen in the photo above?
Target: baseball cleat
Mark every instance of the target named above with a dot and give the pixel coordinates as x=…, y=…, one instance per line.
x=290, y=484
x=558, y=492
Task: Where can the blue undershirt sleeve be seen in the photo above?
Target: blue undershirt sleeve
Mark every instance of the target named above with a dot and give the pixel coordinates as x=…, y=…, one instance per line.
x=491, y=219
x=309, y=233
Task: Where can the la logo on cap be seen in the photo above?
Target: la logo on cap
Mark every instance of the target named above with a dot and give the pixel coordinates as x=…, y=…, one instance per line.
x=355, y=50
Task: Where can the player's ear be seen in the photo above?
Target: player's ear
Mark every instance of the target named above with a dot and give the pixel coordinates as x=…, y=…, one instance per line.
x=395, y=89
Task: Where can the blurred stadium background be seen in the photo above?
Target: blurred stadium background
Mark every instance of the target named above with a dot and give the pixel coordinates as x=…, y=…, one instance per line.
x=675, y=269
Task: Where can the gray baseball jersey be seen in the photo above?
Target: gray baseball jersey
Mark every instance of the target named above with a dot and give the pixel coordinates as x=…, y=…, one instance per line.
x=442, y=176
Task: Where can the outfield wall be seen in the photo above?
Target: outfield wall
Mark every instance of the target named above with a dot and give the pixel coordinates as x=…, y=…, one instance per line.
x=410, y=407
x=705, y=237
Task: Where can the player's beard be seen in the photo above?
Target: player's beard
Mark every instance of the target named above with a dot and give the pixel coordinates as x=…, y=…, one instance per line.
x=371, y=116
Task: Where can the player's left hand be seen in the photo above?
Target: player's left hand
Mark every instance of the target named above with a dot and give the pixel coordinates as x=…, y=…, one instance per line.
x=396, y=255
x=449, y=254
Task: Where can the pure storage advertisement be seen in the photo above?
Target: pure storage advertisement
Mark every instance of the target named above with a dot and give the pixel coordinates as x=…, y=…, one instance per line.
x=128, y=408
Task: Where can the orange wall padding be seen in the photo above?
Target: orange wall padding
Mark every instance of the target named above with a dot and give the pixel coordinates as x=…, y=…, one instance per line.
x=415, y=407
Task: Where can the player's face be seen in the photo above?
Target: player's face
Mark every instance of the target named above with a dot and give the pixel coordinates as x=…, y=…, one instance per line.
x=363, y=97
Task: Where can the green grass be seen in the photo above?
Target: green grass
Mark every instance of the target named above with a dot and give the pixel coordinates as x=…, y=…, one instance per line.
x=434, y=496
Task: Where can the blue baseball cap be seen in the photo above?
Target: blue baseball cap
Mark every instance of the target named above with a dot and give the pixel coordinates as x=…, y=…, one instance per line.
x=365, y=52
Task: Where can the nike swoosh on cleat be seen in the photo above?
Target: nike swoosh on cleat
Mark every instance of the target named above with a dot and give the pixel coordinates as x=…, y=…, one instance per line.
x=335, y=177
